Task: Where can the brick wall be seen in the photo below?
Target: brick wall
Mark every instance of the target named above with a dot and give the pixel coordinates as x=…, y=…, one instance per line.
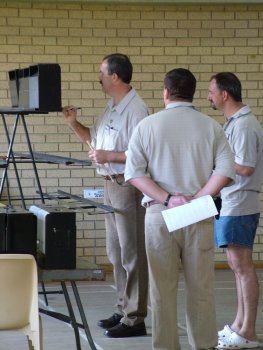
x=206, y=39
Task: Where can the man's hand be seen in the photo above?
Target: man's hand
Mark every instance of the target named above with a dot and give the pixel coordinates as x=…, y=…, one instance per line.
x=70, y=114
x=177, y=200
x=99, y=156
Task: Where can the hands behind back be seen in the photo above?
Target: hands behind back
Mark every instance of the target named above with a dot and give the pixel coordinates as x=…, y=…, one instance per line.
x=178, y=199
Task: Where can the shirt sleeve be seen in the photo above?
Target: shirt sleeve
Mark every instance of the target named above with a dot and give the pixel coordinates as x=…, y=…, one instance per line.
x=137, y=115
x=224, y=159
x=245, y=147
x=136, y=162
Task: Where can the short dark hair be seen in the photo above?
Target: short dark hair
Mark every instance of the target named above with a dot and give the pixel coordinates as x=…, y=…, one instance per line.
x=181, y=83
x=227, y=81
x=121, y=65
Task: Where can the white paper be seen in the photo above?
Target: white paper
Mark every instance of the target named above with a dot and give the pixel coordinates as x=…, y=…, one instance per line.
x=198, y=209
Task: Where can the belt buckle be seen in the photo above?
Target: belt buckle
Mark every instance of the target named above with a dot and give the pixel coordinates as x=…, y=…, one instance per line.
x=113, y=176
x=107, y=177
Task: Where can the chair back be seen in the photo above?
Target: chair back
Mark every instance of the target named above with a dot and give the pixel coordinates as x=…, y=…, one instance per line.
x=18, y=290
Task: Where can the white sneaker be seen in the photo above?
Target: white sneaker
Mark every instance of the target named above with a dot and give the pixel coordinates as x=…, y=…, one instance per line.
x=224, y=333
x=235, y=341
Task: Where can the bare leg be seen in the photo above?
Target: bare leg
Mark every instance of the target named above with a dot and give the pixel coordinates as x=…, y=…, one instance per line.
x=240, y=261
x=238, y=322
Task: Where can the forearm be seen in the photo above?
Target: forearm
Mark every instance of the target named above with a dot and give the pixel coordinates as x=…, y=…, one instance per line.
x=147, y=186
x=101, y=156
x=154, y=191
x=70, y=116
x=81, y=131
x=116, y=157
x=213, y=186
x=244, y=170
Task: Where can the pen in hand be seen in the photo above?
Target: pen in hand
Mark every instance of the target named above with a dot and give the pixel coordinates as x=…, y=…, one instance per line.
x=70, y=108
x=74, y=108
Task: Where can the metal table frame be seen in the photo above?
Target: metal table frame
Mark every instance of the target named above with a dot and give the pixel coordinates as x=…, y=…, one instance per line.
x=66, y=277
x=20, y=114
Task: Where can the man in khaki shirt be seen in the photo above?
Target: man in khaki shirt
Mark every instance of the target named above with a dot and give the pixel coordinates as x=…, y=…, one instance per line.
x=109, y=139
x=176, y=155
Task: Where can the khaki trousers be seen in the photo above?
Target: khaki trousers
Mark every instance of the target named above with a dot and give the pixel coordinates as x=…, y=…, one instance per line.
x=192, y=249
x=125, y=241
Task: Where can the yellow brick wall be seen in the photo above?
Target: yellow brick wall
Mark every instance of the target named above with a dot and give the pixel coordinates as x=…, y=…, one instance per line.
x=204, y=38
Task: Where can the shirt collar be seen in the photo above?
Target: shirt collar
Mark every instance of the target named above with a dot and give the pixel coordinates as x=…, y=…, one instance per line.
x=178, y=104
x=242, y=111
x=123, y=103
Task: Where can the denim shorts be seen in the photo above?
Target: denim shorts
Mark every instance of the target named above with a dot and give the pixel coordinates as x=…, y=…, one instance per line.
x=239, y=230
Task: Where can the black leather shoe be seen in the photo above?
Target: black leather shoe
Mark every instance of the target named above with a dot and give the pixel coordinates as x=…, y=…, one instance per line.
x=121, y=330
x=110, y=322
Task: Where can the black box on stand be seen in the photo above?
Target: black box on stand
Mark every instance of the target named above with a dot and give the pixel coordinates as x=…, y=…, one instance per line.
x=56, y=234
x=36, y=87
x=2, y=232
x=18, y=232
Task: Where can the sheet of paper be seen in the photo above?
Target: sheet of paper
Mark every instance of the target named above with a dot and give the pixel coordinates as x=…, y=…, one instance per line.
x=198, y=209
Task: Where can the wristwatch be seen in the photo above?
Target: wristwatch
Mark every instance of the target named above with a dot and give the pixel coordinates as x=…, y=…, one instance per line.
x=167, y=200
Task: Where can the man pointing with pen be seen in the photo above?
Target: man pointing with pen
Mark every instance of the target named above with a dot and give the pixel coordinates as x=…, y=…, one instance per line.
x=108, y=140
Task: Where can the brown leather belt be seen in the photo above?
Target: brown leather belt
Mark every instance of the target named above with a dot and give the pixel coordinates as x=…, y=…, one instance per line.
x=149, y=204
x=114, y=176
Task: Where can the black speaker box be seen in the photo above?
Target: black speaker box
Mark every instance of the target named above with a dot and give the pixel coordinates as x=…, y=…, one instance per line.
x=2, y=232
x=36, y=87
x=18, y=232
x=56, y=233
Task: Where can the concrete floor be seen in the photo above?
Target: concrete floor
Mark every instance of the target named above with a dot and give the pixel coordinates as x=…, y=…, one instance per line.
x=98, y=298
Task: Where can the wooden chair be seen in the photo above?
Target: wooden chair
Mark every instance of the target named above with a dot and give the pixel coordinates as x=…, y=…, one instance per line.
x=19, y=297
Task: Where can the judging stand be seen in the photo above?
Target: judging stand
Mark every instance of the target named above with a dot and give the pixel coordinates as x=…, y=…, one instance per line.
x=53, y=227
x=57, y=251
x=20, y=114
x=31, y=157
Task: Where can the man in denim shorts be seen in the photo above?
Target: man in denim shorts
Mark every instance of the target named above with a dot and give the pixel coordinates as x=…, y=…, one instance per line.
x=236, y=228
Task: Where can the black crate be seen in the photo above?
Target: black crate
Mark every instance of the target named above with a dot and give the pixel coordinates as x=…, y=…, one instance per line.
x=36, y=87
x=56, y=233
x=18, y=232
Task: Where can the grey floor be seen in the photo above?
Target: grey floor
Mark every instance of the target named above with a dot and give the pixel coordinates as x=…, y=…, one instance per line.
x=99, y=296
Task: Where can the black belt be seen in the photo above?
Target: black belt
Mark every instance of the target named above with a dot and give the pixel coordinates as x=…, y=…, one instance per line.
x=114, y=176
x=149, y=204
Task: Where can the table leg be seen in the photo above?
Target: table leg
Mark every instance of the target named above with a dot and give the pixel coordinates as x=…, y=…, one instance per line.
x=71, y=313
x=44, y=292
x=83, y=316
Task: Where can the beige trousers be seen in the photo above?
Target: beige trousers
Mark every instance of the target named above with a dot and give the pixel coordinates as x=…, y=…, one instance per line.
x=125, y=241
x=192, y=248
